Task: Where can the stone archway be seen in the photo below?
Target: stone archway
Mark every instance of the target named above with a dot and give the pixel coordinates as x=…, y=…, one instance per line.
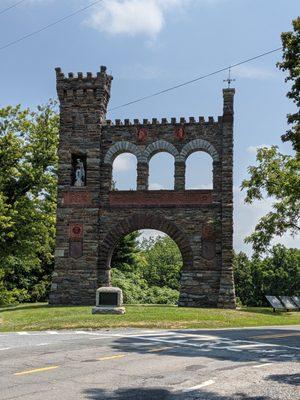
x=91, y=218
x=135, y=223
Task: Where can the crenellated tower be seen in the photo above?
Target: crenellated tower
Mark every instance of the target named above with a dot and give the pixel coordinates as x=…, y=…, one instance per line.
x=83, y=106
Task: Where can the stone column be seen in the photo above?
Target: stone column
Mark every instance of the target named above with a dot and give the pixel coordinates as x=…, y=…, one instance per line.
x=217, y=181
x=106, y=184
x=179, y=175
x=142, y=175
x=227, y=292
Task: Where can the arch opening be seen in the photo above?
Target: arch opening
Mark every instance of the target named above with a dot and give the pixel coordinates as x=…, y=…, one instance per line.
x=124, y=172
x=199, y=171
x=161, y=171
x=141, y=221
x=146, y=265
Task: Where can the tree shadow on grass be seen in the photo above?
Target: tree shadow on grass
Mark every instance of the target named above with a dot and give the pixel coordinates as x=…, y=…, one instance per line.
x=25, y=307
x=264, y=311
x=163, y=394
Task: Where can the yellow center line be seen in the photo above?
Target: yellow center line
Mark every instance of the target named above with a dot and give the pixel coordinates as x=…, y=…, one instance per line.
x=276, y=335
x=161, y=349
x=32, y=371
x=111, y=357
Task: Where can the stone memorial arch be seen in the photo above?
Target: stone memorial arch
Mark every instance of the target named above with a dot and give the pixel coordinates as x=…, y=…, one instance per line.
x=91, y=218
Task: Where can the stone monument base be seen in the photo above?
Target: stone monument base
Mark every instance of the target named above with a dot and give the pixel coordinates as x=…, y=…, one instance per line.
x=109, y=300
x=108, y=310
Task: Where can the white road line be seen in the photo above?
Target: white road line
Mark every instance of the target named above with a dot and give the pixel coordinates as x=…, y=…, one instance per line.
x=202, y=385
x=42, y=344
x=22, y=333
x=99, y=337
x=139, y=336
x=261, y=365
x=5, y=348
x=147, y=334
x=52, y=332
x=249, y=346
x=287, y=355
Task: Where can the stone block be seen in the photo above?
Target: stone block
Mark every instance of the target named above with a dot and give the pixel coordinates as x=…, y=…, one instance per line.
x=109, y=300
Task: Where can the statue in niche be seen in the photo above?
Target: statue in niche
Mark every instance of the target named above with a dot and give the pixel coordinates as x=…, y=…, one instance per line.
x=79, y=174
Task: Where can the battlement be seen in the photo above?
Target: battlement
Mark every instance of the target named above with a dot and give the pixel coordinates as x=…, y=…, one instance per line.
x=88, y=77
x=79, y=86
x=164, y=121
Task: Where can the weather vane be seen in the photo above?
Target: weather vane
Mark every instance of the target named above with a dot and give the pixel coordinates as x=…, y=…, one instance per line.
x=229, y=79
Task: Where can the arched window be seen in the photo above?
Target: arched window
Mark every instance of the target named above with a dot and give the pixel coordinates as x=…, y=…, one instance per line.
x=199, y=171
x=124, y=174
x=161, y=172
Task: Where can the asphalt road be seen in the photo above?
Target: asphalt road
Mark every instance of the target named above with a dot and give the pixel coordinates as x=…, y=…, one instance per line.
x=142, y=365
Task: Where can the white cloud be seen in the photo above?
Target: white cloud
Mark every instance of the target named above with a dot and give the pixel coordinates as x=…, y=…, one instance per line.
x=155, y=186
x=250, y=72
x=132, y=17
x=124, y=162
x=253, y=149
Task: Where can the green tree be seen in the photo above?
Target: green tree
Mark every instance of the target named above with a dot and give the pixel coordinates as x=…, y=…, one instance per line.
x=276, y=274
x=125, y=254
x=148, y=272
x=28, y=163
x=243, y=278
x=164, y=262
x=291, y=65
x=277, y=175
x=281, y=271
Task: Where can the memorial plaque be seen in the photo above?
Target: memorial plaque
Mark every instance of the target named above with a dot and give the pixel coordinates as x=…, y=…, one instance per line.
x=208, y=250
x=108, y=299
x=75, y=249
x=288, y=303
x=296, y=300
x=275, y=303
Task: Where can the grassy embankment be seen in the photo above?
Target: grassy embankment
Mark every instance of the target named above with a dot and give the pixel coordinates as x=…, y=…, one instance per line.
x=41, y=317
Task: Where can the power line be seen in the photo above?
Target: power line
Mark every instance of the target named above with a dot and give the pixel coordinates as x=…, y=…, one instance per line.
x=12, y=6
x=49, y=25
x=194, y=80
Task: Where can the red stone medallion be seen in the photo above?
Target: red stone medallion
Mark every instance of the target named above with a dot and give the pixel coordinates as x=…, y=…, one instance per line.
x=142, y=134
x=76, y=231
x=179, y=132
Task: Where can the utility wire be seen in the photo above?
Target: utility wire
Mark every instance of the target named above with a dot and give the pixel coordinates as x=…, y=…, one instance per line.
x=12, y=6
x=195, y=79
x=49, y=25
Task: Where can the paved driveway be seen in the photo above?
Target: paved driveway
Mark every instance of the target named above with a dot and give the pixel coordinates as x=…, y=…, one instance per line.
x=141, y=364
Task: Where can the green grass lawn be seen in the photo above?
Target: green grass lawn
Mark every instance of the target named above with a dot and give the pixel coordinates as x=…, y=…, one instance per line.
x=41, y=316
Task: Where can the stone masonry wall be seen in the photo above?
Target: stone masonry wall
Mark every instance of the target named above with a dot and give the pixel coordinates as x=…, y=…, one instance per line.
x=91, y=219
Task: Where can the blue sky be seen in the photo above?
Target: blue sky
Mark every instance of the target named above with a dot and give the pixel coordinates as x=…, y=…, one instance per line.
x=149, y=45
